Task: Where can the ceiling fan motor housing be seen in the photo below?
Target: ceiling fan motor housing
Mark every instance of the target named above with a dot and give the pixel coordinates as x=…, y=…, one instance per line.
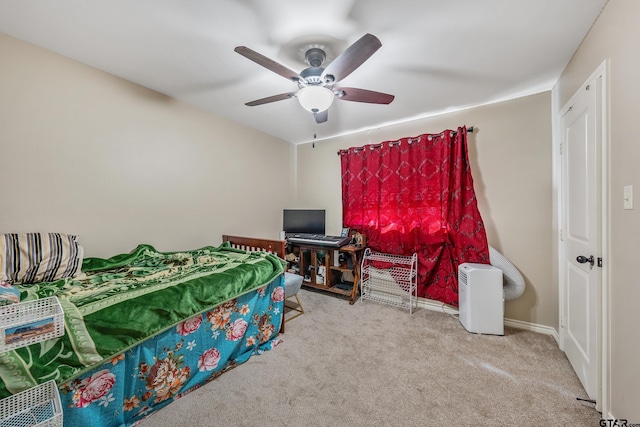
x=312, y=75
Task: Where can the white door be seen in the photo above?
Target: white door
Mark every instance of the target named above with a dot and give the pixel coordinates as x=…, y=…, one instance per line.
x=581, y=234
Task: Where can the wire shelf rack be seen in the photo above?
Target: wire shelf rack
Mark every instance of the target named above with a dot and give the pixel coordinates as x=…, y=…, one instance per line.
x=390, y=279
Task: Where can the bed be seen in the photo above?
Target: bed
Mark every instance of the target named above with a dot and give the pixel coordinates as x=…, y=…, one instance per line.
x=147, y=327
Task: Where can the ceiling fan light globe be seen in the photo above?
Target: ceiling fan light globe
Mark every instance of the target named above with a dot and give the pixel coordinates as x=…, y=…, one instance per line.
x=315, y=98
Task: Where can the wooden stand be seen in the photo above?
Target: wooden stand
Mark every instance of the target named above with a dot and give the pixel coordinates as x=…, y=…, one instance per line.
x=318, y=265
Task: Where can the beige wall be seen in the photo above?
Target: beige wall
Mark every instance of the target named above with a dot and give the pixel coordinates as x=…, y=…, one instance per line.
x=615, y=37
x=510, y=157
x=85, y=152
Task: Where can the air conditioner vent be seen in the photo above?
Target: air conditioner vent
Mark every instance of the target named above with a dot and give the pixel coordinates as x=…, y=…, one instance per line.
x=462, y=278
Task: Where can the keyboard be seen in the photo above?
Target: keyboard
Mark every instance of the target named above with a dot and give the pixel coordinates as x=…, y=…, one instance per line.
x=319, y=239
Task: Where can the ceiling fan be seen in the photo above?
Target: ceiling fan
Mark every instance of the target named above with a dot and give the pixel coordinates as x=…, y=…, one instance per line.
x=316, y=90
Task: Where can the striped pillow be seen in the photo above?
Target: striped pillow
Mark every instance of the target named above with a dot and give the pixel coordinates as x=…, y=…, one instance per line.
x=39, y=257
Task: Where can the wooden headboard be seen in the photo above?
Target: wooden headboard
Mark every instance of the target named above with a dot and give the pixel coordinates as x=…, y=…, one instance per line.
x=254, y=244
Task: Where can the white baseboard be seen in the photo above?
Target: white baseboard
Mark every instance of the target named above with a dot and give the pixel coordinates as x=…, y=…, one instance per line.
x=534, y=327
x=433, y=305
x=518, y=324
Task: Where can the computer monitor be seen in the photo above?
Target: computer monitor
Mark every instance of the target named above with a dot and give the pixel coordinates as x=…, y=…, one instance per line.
x=311, y=221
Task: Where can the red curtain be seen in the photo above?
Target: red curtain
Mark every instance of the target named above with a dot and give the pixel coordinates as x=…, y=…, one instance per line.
x=416, y=195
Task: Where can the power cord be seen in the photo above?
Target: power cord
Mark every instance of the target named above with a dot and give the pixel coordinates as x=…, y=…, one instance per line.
x=454, y=315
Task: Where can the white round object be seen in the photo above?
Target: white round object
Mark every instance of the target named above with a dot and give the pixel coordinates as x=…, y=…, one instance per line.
x=315, y=99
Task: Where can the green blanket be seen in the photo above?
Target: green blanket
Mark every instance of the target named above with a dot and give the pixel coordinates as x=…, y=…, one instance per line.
x=118, y=302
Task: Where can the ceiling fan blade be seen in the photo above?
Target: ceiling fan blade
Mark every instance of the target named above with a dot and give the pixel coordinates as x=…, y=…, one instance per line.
x=267, y=63
x=363, y=95
x=322, y=116
x=269, y=99
x=351, y=58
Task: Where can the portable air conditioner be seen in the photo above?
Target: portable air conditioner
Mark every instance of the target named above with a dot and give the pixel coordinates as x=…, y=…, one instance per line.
x=481, y=298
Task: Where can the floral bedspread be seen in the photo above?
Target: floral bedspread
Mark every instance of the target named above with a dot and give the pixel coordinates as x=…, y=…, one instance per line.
x=135, y=384
x=119, y=302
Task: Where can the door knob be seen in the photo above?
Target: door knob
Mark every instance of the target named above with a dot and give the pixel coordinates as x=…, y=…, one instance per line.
x=582, y=259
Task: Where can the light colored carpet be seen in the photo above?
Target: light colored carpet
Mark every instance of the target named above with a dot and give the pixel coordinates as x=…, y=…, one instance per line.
x=372, y=365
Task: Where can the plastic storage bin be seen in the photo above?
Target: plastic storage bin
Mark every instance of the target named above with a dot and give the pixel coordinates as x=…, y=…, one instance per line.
x=37, y=406
x=29, y=322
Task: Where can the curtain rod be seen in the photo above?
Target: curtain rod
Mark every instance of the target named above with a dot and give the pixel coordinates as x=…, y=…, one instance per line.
x=469, y=130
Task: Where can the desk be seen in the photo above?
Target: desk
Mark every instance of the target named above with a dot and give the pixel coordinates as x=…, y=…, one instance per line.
x=318, y=265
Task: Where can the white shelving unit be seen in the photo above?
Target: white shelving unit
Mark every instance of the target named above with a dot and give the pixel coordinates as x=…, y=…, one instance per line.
x=23, y=324
x=390, y=279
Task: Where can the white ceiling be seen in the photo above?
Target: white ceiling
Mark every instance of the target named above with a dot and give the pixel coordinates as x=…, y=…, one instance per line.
x=436, y=55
